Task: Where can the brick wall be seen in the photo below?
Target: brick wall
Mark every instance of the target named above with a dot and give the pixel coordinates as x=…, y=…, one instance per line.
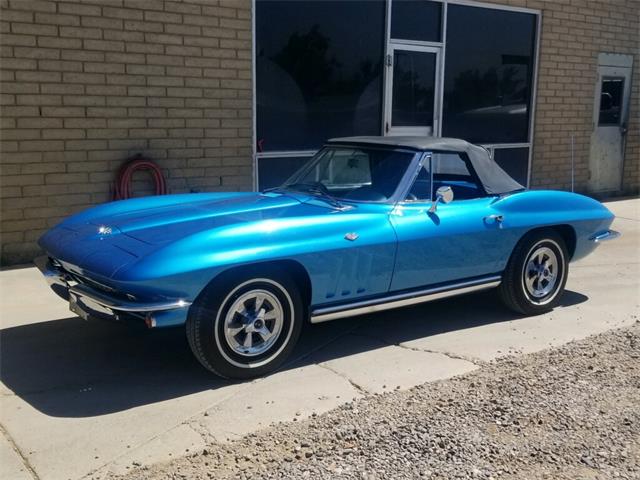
x=573, y=33
x=85, y=85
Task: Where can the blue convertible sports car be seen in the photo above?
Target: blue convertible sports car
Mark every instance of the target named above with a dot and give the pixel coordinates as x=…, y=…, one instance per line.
x=368, y=224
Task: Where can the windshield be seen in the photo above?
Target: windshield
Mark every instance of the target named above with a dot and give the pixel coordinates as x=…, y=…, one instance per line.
x=352, y=173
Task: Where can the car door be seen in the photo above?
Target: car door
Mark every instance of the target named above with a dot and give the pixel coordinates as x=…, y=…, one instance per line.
x=353, y=247
x=460, y=240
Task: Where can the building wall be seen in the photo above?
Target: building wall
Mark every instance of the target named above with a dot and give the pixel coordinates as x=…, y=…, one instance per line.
x=573, y=33
x=86, y=85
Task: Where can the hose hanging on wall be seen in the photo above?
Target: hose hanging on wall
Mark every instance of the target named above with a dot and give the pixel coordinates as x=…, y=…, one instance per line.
x=122, y=189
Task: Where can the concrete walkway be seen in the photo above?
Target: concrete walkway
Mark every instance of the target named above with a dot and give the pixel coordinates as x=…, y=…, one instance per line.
x=79, y=399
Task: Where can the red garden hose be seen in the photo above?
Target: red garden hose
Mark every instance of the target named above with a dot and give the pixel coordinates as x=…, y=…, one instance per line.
x=122, y=189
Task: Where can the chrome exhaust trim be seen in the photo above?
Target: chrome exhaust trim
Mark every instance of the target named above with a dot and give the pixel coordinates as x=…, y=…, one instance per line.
x=403, y=300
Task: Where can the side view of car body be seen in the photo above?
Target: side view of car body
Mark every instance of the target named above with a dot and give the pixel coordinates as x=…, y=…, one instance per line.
x=370, y=223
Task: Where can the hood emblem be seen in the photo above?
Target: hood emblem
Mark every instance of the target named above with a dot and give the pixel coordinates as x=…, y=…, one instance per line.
x=104, y=230
x=351, y=236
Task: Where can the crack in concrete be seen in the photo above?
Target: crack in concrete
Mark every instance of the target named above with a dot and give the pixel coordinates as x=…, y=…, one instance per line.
x=23, y=458
x=454, y=356
x=201, y=429
x=357, y=387
x=187, y=421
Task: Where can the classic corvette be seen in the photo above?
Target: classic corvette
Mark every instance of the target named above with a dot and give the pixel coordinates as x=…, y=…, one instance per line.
x=368, y=224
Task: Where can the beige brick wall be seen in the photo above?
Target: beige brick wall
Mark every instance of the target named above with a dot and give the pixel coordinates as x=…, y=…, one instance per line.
x=573, y=33
x=85, y=85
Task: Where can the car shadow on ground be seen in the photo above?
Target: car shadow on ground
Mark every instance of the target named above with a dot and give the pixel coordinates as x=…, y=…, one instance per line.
x=75, y=368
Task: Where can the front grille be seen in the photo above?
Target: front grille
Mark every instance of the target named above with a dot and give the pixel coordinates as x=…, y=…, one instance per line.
x=81, y=279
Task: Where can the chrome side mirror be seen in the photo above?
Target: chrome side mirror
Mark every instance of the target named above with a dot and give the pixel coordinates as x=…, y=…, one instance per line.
x=444, y=195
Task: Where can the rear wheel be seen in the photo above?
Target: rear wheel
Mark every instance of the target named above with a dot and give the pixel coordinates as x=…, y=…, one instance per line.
x=536, y=273
x=246, y=324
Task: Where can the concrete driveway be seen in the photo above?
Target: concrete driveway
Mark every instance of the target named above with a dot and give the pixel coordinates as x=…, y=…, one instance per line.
x=80, y=399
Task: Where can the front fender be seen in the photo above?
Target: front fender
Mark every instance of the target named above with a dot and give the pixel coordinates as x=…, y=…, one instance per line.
x=338, y=268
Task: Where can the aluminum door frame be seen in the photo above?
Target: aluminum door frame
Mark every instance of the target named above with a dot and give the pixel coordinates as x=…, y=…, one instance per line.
x=388, y=128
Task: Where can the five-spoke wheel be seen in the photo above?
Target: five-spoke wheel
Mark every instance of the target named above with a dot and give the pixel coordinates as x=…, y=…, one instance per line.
x=536, y=273
x=541, y=272
x=253, y=323
x=245, y=323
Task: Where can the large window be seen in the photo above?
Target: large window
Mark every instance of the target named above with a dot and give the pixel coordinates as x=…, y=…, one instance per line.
x=413, y=88
x=488, y=74
x=321, y=68
x=416, y=20
x=514, y=161
x=272, y=171
x=318, y=71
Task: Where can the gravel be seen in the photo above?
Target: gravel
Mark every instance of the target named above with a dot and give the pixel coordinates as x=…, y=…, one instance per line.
x=567, y=413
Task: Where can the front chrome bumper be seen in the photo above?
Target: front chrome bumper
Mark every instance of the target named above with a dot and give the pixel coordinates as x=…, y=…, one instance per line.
x=605, y=236
x=86, y=300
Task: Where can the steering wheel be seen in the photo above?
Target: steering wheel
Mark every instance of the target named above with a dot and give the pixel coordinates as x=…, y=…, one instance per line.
x=411, y=197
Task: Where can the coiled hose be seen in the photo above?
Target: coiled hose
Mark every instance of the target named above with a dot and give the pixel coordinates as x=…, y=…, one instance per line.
x=122, y=188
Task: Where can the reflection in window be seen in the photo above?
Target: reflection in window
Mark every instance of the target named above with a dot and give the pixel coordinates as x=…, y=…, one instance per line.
x=366, y=174
x=347, y=167
x=451, y=170
x=611, y=101
x=318, y=71
x=273, y=172
x=488, y=74
x=421, y=189
x=449, y=164
x=414, y=75
x=514, y=161
x=416, y=20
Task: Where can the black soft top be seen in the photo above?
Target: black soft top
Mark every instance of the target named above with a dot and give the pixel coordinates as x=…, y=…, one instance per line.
x=494, y=180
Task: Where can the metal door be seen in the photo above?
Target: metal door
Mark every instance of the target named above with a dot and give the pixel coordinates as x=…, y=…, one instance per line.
x=412, y=90
x=610, y=117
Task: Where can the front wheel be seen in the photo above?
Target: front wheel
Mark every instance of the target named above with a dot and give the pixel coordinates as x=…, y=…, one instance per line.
x=536, y=273
x=245, y=325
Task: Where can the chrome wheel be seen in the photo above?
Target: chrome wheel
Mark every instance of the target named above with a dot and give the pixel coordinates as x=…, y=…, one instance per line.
x=541, y=272
x=253, y=323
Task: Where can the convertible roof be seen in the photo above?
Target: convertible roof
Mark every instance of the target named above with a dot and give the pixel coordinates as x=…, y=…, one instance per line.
x=494, y=180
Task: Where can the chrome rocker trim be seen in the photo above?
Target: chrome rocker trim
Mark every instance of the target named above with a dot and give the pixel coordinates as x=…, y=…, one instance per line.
x=403, y=299
x=605, y=236
x=59, y=284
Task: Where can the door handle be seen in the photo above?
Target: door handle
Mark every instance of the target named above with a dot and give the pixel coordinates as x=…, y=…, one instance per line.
x=494, y=219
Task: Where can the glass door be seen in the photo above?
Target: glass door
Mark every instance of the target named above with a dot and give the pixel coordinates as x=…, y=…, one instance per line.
x=412, y=90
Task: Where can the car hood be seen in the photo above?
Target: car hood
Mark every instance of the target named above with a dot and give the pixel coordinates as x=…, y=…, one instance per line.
x=104, y=239
x=167, y=223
